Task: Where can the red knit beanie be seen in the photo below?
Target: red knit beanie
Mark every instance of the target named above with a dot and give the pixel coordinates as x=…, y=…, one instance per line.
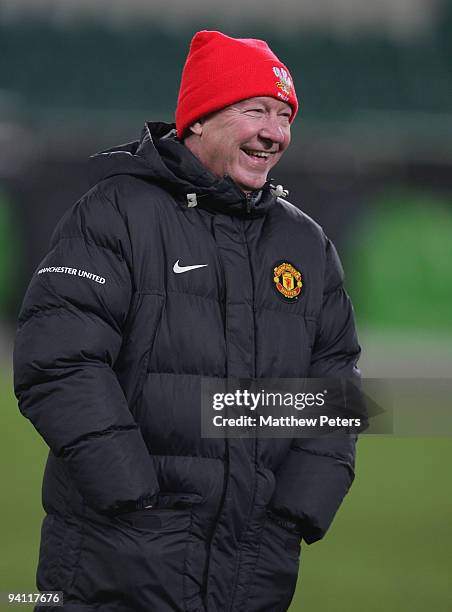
x=221, y=70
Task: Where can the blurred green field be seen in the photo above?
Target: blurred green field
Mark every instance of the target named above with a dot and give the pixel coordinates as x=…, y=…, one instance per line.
x=388, y=550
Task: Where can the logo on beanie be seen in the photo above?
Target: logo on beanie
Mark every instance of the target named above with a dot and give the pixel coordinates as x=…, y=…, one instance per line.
x=284, y=82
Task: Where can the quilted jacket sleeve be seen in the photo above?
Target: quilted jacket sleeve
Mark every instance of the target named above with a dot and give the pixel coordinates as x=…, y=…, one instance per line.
x=318, y=471
x=69, y=336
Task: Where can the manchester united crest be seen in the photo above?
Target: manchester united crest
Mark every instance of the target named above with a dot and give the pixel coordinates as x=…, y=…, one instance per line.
x=287, y=280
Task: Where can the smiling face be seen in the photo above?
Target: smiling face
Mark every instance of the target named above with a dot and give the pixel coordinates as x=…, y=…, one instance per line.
x=244, y=140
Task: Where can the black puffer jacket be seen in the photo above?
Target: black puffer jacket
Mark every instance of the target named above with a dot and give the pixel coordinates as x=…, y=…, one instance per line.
x=110, y=351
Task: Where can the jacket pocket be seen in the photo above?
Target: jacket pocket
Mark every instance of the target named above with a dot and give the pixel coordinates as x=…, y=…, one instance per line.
x=160, y=515
x=276, y=572
x=138, y=558
x=61, y=540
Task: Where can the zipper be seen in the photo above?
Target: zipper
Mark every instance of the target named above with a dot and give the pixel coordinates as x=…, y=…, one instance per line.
x=249, y=198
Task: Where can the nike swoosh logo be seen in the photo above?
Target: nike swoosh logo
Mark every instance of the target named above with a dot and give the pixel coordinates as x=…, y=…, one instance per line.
x=180, y=269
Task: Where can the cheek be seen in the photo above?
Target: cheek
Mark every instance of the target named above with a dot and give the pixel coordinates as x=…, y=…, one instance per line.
x=218, y=156
x=285, y=130
x=233, y=155
x=287, y=138
x=283, y=148
x=276, y=158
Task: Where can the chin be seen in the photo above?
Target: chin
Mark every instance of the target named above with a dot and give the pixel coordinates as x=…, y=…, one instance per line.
x=251, y=185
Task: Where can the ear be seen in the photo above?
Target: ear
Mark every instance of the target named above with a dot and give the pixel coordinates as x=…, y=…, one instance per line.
x=196, y=128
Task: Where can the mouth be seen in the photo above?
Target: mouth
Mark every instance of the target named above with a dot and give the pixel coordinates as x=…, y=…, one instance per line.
x=258, y=159
x=258, y=155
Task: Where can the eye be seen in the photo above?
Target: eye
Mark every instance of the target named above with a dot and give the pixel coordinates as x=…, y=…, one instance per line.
x=254, y=111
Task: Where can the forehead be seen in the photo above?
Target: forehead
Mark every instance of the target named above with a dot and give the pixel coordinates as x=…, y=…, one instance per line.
x=267, y=101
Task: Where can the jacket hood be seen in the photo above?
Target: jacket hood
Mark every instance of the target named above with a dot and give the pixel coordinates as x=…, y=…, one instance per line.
x=163, y=159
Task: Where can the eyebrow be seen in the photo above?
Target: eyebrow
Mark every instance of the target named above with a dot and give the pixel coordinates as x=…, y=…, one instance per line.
x=263, y=102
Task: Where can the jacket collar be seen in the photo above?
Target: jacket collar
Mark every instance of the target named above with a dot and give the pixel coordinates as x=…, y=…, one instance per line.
x=197, y=186
x=163, y=159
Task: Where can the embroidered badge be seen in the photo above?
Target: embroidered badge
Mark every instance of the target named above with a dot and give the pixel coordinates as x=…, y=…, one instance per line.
x=284, y=82
x=287, y=280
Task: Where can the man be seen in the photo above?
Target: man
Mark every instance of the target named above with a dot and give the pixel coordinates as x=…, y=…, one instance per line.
x=169, y=270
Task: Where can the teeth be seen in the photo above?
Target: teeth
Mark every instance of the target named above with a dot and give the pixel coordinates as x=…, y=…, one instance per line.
x=262, y=154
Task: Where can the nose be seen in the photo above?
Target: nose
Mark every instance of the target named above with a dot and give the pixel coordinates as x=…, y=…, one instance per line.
x=272, y=131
